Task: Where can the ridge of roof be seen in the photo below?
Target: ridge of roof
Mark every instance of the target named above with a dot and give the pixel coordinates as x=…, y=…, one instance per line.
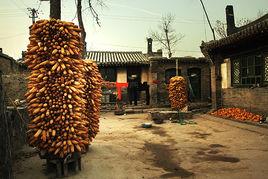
x=118, y=58
x=96, y=51
x=260, y=19
x=185, y=59
x=256, y=27
x=12, y=59
x=6, y=56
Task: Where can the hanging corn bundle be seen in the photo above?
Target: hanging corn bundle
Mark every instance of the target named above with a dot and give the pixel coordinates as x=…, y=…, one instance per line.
x=56, y=88
x=178, y=92
x=93, y=94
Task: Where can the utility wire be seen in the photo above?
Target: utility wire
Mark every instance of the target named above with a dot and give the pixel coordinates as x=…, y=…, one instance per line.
x=75, y=11
x=205, y=31
x=126, y=46
x=146, y=19
x=39, y=5
x=209, y=23
x=19, y=7
x=12, y=36
x=24, y=3
x=118, y=45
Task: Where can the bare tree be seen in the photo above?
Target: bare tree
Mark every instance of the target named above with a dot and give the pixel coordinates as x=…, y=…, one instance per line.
x=166, y=36
x=80, y=19
x=220, y=27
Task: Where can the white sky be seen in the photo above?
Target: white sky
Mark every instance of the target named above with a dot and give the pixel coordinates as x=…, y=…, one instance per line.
x=125, y=24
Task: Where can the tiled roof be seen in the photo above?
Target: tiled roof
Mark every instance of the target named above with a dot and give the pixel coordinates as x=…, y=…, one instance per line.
x=6, y=56
x=106, y=58
x=12, y=60
x=258, y=27
x=181, y=59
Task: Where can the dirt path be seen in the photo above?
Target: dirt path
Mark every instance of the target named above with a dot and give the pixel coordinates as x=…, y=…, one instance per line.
x=210, y=149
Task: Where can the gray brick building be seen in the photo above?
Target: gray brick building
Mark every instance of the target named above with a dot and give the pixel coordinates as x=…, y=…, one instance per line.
x=239, y=73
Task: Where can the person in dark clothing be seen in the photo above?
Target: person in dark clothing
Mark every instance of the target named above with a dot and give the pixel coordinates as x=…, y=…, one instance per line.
x=133, y=90
x=146, y=86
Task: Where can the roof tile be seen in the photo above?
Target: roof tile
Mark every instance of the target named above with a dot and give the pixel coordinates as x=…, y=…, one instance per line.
x=117, y=58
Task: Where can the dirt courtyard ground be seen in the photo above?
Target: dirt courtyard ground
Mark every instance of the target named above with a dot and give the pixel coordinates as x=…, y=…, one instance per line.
x=212, y=148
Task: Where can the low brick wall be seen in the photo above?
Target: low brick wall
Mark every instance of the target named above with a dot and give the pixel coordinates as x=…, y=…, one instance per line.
x=18, y=120
x=12, y=130
x=254, y=100
x=15, y=86
x=159, y=92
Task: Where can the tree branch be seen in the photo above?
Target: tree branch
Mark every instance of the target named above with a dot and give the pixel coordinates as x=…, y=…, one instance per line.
x=166, y=36
x=93, y=11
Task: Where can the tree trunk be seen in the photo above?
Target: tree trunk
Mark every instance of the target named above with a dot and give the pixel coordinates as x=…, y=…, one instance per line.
x=168, y=43
x=81, y=25
x=55, y=9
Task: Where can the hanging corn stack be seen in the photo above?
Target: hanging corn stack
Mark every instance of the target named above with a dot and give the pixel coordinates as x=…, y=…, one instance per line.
x=92, y=95
x=178, y=92
x=56, y=88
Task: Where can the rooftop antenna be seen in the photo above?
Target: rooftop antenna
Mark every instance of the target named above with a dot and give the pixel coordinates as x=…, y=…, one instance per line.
x=208, y=20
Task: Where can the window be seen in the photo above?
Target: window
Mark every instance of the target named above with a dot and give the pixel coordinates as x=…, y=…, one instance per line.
x=266, y=70
x=169, y=73
x=236, y=71
x=249, y=70
x=108, y=74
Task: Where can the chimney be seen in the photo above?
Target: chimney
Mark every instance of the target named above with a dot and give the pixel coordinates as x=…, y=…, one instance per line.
x=230, y=20
x=149, y=45
x=159, y=53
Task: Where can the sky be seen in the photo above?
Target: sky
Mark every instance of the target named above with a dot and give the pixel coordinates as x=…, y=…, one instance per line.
x=125, y=24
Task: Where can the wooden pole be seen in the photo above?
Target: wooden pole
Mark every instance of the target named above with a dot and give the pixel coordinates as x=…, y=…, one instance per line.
x=177, y=67
x=81, y=25
x=213, y=33
x=55, y=9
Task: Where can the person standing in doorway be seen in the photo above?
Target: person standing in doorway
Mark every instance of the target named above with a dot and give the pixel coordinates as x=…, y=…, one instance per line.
x=133, y=90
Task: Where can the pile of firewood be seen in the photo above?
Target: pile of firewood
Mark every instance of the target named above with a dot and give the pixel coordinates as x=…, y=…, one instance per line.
x=178, y=92
x=56, y=89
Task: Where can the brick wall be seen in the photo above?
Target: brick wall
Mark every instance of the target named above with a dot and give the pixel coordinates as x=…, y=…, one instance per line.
x=15, y=86
x=255, y=100
x=8, y=65
x=5, y=66
x=159, y=92
x=12, y=132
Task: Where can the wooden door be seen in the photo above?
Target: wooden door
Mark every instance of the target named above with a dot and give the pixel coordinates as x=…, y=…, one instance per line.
x=194, y=75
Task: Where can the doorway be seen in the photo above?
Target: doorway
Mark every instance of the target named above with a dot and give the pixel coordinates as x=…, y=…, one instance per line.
x=134, y=83
x=194, y=75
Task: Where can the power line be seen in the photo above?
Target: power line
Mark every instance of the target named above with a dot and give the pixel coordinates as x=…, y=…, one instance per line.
x=11, y=14
x=126, y=46
x=12, y=36
x=19, y=7
x=208, y=20
x=23, y=3
x=205, y=27
x=146, y=19
x=118, y=45
x=39, y=5
x=150, y=19
x=75, y=11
